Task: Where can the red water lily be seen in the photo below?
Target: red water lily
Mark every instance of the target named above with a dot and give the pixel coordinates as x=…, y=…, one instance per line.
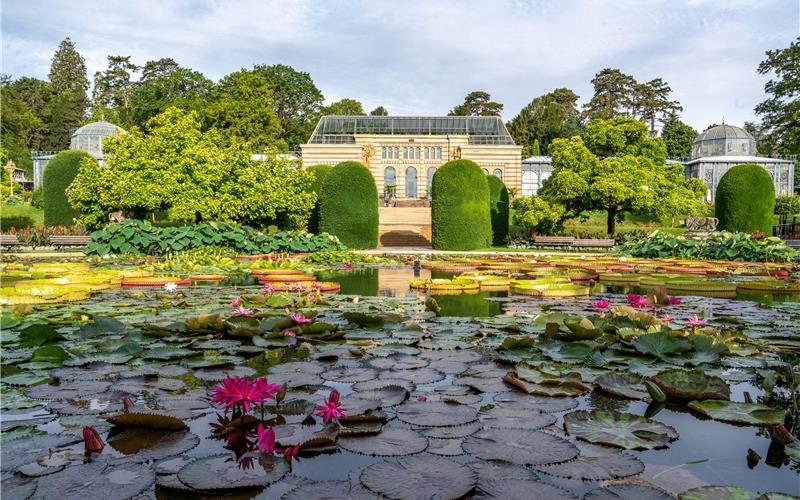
x=695, y=322
x=91, y=440
x=422, y=398
x=601, y=304
x=290, y=452
x=238, y=391
x=331, y=409
x=289, y=333
x=673, y=301
x=126, y=403
x=236, y=302
x=299, y=319
x=637, y=301
x=266, y=439
x=298, y=287
x=268, y=290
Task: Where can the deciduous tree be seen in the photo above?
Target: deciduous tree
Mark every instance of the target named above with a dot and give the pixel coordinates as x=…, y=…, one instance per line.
x=477, y=103
x=346, y=107
x=545, y=118
x=780, y=112
x=613, y=95
x=678, y=137
x=297, y=101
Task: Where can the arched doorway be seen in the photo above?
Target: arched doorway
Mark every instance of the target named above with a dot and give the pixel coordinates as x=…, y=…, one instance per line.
x=411, y=182
x=389, y=180
x=431, y=171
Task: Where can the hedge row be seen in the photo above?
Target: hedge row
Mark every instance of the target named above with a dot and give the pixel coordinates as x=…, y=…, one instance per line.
x=349, y=205
x=460, y=217
x=58, y=175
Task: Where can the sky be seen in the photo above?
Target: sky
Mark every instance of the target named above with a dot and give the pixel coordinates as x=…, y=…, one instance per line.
x=421, y=57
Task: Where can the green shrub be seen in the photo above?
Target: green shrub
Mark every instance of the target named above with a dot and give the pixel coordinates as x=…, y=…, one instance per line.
x=460, y=218
x=498, y=210
x=58, y=175
x=349, y=205
x=37, y=199
x=745, y=199
x=319, y=172
x=787, y=205
x=17, y=222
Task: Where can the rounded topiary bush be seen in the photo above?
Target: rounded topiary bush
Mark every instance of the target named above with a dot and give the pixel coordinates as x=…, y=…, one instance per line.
x=460, y=217
x=498, y=209
x=349, y=205
x=58, y=175
x=318, y=172
x=745, y=200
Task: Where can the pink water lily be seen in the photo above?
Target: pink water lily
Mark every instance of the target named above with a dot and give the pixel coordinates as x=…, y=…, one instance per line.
x=267, y=289
x=236, y=302
x=92, y=441
x=696, y=322
x=601, y=304
x=316, y=286
x=242, y=311
x=289, y=333
x=637, y=301
x=290, y=452
x=299, y=319
x=266, y=439
x=422, y=398
x=126, y=403
x=673, y=301
x=298, y=287
x=331, y=409
x=666, y=318
x=348, y=266
x=238, y=391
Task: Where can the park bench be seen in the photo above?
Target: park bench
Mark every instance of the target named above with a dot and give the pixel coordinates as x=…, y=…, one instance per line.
x=553, y=241
x=593, y=243
x=9, y=240
x=69, y=241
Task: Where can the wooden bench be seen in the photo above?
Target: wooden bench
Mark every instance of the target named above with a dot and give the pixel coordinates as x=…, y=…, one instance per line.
x=593, y=243
x=9, y=240
x=69, y=241
x=553, y=241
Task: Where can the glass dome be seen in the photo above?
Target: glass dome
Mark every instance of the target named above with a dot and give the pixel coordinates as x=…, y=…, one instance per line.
x=89, y=138
x=723, y=140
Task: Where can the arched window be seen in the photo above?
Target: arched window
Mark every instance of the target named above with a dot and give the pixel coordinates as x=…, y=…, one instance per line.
x=438, y=153
x=530, y=183
x=389, y=179
x=486, y=171
x=431, y=171
x=498, y=173
x=397, y=152
x=418, y=150
x=411, y=182
x=383, y=152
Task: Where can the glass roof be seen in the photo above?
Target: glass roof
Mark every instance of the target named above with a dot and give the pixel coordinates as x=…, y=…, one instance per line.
x=343, y=129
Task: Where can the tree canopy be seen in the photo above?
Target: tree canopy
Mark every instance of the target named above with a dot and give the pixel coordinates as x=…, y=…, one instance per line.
x=780, y=112
x=678, y=137
x=297, y=101
x=347, y=107
x=379, y=111
x=477, y=103
x=545, y=118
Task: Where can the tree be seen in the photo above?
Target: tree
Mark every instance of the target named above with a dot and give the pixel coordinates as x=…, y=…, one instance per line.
x=535, y=214
x=24, y=103
x=114, y=87
x=68, y=71
x=297, y=101
x=545, y=118
x=780, y=112
x=652, y=101
x=477, y=103
x=344, y=107
x=678, y=137
x=242, y=108
x=67, y=106
x=613, y=95
x=180, y=87
x=158, y=69
x=498, y=209
x=536, y=150
x=615, y=167
x=379, y=111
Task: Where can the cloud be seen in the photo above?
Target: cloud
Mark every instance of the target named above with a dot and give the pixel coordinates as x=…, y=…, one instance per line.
x=422, y=57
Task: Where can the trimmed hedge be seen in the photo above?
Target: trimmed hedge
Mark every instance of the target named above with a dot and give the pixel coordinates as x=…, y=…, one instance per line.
x=319, y=172
x=498, y=210
x=460, y=218
x=745, y=200
x=349, y=205
x=58, y=175
x=16, y=222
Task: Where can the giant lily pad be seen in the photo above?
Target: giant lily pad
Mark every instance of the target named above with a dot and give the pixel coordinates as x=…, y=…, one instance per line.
x=738, y=413
x=143, y=445
x=96, y=480
x=520, y=489
x=627, y=492
x=614, y=428
x=694, y=384
x=419, y=477
x=508, y=418
x=520, y=447
x=147, y=421
x=331, y=490
x=622, y=384
x=716, y=493
x=222, y=472
x=595, y=463
x=656, y=344
x=389, y=442
x=436, y=414
x=544, y=404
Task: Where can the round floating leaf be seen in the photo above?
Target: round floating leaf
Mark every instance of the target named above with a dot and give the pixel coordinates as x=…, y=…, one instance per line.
x=520, y=447
x=457, y=431
x=19, y=487
x=738, y=413
x=500, y=470
x=147, y=421
x=626, y=385
x=390, y=395
x=17, y=452
x=167, y=353
x=627, y=492
x=349, y=374
x=436, y=414
x=298, y=367
x=716, y=493
x=614, y=428
x=388, y=443
x=217, y=374
x=596, y=463
x=371, y=385
x=294, y=380
x=508, y=418
x=68, y=390
x=520, y=489
x=445, y=447
x=657, y=344
x=398, y=363
x=97, y=480
x=419, y=477
x=542, y=403
x=333, y=490
x=691, y=384
x=222, y=472
x=418, y=376
x=143, y=445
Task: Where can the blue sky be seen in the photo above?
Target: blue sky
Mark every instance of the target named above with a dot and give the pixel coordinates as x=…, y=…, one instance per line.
x=422, y=56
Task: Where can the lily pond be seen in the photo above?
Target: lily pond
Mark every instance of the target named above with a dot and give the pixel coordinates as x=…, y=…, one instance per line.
x=548, y=377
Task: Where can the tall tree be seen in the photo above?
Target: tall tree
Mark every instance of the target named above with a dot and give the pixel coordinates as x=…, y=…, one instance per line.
x=297, y=101
x=613, y=95
x=652, y=102
x=780, y=112
x=114, y=87
x=181, y=88
x=545, y=118
x=158, y=69
x=67, y=108
x=678, y=137
x=21, y=128
x=345, y=107
x=68, y=70
x=477, y=103
x=379, y=111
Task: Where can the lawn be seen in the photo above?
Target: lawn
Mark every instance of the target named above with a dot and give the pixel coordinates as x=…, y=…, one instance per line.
x=24, y=210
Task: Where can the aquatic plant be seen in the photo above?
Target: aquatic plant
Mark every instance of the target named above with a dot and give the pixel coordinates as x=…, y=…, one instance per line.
x=238, y=393
x=331, y=409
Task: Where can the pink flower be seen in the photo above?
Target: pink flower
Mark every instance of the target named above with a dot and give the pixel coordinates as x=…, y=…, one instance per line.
x=242, y=311
x=266, y=439
x=298, y=287
x=268, y=289
x=126, y=403
x=331, y=409
x=316, y=286
x=91, y=440
x=666, y=318
x=601, y=304
x=238, y=391
x=299, y=319
x=637, y=301
x=289, y=333
x=348, y=266
x=290, y=452
x=236, y=302
x=695, y=322
x=673, y=301
x=422, y=399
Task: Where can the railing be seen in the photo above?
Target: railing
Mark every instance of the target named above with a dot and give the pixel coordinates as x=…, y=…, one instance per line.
x=787, y=230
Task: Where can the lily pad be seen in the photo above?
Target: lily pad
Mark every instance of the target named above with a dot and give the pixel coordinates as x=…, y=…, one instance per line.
x=330, y=490
x=390, y=395
x=626, y=385
x=96, y=480
x=627, y=492
x=389, y=442
x=419, y=477
x=436, y=414
x=508, y=418
x=596, y=463
x=614, y=428
x=541, y=403
x=147, y=421
x=716, y=493
x=417, y=376
x=349, y=374
x=691, y=384
x=456, y=431
x=520, y=489
x=738, y=413
x=656, y=344
x=520, y=447
x=144, y=445
x=223, y=472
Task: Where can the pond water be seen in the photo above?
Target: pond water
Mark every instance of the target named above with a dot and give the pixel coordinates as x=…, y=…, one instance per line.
x=433, y=383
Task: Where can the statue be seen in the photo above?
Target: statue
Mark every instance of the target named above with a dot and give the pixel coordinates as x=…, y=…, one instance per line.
x=701, y=224
x=457, y=153
x=368, y=152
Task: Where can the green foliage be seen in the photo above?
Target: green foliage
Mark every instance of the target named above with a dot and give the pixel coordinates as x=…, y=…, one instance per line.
x=498, y=209
x=724, y=246
x=114, y=87
x=16, y=222
x=297, y=101
x=349, y=205
x=545, y=118
x=678, y=137
x=533, y=213
x=787, y=205
x=745, y=199
x=379, y=111
x=348, y=107
x=477, y=103
x=58, y=175
x=37, y=198
x=141, y=237
x=160, y=89
x=460, y=218
x=318, y=173
x=780, y=110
